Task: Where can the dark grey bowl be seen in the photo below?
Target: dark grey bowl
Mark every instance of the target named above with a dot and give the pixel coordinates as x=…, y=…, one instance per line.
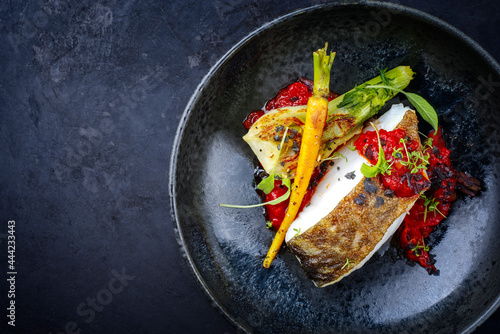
x=211, y=164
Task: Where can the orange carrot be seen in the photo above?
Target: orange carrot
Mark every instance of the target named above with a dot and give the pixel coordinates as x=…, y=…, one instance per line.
x=317, y=111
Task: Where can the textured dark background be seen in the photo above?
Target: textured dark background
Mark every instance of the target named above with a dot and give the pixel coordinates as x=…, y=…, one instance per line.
x=91, y=93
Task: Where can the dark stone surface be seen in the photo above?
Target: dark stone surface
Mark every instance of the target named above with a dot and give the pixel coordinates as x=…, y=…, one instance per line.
x=90, y=97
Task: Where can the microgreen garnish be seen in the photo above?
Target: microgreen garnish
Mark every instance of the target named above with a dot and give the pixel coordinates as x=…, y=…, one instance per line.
x=416, y=160
x=297, y=231
x=396, y=153
x=423, y=107
x=428, y=145
x=269, y=224
x=352, y=147
x=382, y=165
x=336, y=155
x=347, y=264
x=418, y=246
x=430, y=204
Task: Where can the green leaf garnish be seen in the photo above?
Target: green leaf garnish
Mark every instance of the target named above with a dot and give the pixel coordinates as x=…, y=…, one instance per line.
x=423, y=107
x=267, y=184
x=382, y=166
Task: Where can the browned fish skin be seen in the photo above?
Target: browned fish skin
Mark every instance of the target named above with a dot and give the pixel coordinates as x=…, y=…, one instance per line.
x=335, y=245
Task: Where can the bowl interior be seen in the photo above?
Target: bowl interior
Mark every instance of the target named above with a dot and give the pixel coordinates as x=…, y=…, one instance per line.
x=211, y=164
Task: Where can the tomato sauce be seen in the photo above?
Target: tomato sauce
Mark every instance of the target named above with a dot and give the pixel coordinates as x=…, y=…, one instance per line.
x=275, y=214
x=295, y=94
x=403, y=178
x=432, y=208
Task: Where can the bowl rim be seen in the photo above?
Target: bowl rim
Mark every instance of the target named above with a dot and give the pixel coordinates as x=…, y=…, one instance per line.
x=397, y=9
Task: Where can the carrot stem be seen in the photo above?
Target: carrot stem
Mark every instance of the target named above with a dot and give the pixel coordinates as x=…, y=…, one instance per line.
x=316, y=114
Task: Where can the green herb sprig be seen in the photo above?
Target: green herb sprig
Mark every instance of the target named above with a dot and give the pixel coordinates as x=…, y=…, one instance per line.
x=430, y=205
x=347, y=264
x=382, y=165
x=416, y=249
x=416, y=160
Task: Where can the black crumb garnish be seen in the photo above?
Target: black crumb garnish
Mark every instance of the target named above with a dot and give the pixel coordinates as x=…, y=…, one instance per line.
x=369, y=153
x=350, y=175
x=369, y=186
x=389, y=193
x=360, y=199
x=379, y=201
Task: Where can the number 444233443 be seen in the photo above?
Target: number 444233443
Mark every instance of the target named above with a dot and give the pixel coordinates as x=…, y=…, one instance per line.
x=11, y=245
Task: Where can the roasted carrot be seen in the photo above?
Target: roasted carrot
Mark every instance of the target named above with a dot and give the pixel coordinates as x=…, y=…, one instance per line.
x=316, y=114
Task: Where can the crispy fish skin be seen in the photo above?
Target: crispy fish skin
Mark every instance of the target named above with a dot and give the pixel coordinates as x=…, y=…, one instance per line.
x=332, y=248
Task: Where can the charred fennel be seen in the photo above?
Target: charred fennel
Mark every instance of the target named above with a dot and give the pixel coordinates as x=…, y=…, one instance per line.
x=346, y=115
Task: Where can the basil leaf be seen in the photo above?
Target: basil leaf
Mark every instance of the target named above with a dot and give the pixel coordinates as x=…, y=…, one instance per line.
x=424, y=109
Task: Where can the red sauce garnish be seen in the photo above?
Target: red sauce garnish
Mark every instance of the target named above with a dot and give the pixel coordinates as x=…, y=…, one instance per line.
x=296, y=94
x=420, y=221
x=276, y=213
x=399, y=179
x=252, y=118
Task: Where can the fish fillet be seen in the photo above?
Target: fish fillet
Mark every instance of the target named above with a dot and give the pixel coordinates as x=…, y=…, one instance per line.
x=334, y=235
